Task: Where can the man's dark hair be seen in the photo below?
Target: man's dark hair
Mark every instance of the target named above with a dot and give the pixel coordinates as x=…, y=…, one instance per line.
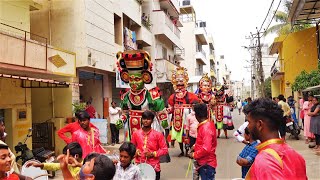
x=246, y=131
x=4, y=146
x=90, y=156
x=266, y=110
x=148, y=115
x=74, y=148
x=249, y=99
x=281, y=97
x=129, y=148
x=82, y=115
x=103, y=168
x=201, y=110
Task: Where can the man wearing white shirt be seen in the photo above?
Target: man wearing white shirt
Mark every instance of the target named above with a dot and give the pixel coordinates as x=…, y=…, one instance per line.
x=114, y=114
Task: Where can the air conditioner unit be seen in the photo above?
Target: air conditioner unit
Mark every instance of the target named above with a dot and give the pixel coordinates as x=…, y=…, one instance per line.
x=186, y=3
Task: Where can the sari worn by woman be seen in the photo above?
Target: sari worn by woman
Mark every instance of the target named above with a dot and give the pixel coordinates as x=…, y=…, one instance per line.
x=306, y=107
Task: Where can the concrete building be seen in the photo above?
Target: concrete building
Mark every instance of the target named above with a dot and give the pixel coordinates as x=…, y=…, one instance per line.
x=294, y=57
x=88, y=34
x=37, y=78
x=212, y=58
x=194, y=38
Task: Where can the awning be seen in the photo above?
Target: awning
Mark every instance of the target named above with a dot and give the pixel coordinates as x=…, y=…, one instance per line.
x=30, y=82
x=311, y=88
x=304, y=10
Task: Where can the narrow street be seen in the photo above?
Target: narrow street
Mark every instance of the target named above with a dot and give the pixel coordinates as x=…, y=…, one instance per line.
x=227, y=152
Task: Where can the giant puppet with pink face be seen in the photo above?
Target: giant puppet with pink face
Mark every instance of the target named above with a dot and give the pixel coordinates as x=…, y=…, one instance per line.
x=135, y=68
x=205, y=94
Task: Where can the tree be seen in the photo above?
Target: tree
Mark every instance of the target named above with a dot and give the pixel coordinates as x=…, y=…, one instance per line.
x=283, y=27
x=304, y=80
x=267, y=87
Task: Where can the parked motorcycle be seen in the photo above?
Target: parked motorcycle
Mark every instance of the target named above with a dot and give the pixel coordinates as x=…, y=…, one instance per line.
x=292, y=128
x=40, y=154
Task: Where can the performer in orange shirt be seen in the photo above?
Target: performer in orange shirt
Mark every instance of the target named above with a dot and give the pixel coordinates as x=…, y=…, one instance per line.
x=275, y=159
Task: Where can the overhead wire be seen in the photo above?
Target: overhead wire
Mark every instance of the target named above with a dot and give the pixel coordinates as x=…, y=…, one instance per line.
x=266, y=15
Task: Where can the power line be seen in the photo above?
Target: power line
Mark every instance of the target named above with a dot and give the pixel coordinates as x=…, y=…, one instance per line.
x=274, y=14
x=266, y=15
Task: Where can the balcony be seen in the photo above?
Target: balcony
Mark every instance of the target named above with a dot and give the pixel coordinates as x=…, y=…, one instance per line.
x=211, y=42
x=212, y=73
x=165, y=28
x=199, y=71
x=172, y=7
x=201, y=35
x=21, y=53
x=131, y=8
x=179, y=53
x=144, y=35
x=201, y=56
x=164, y=70
x=276, y=70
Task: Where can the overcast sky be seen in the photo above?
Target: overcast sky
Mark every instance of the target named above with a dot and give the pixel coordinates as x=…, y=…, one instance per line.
x=230, y=22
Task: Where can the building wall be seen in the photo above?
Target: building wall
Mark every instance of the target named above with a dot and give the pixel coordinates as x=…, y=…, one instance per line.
x=188, y=39
x=15, y=13
x=94, y=89
x=275, y=88
x=15, y=99
x=299, y=52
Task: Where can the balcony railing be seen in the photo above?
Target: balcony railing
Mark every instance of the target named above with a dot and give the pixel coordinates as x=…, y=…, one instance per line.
x=172, y=26
x=202, y=52
x=276, y=67
x=21, y=48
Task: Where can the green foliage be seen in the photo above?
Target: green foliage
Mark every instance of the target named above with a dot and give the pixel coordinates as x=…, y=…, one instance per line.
x=267, y=87
x=304, y=80
x=284, y=27
x=78, y=107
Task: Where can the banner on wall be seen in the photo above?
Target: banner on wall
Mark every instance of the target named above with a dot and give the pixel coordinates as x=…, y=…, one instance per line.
x=130, y=39
x=102, y=125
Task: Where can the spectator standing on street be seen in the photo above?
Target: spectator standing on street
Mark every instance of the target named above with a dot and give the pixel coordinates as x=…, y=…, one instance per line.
x=286, y=114
x=239, y=106
x=114, y=114
x=275, y=159
x=306, y=129
x=206, y=144
x=315, y=122
x=150, y=143
x=248, y=154
x=301, y=112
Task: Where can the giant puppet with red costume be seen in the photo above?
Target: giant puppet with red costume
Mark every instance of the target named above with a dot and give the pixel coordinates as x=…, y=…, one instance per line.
x=222, y=109
x=206, y=95
x=135, y=68
x=180, y=104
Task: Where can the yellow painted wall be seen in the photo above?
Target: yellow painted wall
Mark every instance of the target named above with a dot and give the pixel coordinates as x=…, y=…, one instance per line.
x=275, y=88
x=14, y=98
x=299, y=53
x=15, y=13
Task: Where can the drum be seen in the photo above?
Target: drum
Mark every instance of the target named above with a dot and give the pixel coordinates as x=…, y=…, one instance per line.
x=34, y=172
x=147, y=172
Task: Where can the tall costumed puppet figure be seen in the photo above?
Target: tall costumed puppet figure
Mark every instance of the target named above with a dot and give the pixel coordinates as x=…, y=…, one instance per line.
x=223, y=110
x=180, y=104
x=135, y=68
x=206, y=95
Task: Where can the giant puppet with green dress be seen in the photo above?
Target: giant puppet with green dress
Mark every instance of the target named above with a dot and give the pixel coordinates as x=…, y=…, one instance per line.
x=180, y=104
x=135, y=68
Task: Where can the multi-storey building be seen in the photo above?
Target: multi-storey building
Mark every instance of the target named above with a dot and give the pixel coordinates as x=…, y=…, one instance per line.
x=193, y=37
x=88, y=35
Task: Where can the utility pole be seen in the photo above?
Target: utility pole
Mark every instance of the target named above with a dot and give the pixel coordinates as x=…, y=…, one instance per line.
x=260, y=67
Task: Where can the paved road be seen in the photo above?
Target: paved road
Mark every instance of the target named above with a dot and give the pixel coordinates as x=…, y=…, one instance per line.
x=227, y=151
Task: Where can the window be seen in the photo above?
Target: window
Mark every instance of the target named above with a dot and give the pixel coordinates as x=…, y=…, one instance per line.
x=164, y=53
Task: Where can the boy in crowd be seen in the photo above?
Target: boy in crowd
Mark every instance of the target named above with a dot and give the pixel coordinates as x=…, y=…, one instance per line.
x=248, y=154
x=75, y=153
x=150, y=144
x=125, y=169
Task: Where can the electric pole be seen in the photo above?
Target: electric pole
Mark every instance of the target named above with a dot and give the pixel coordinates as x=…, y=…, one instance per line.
x=260, y=67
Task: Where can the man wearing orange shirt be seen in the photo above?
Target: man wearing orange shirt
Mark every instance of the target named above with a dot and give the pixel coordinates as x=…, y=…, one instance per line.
x=275, y=159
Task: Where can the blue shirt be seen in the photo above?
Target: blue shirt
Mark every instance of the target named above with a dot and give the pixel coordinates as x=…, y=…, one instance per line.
x=249, y=153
